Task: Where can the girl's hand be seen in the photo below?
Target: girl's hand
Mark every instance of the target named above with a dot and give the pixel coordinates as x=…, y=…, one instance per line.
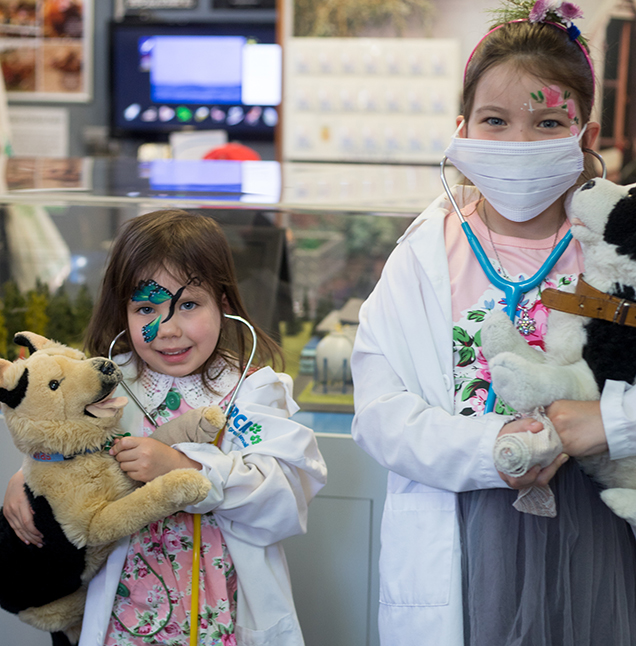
x=144, y=458
x=535, y=477
x=18, y=512
x=579, y=425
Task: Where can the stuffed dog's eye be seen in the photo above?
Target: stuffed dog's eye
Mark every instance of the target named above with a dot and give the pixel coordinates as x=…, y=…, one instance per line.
x=54, y=384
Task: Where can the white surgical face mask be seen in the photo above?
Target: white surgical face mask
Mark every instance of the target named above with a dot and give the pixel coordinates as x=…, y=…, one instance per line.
x=520, y=179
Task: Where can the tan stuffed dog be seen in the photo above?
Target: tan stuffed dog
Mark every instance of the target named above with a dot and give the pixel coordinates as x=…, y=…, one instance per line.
x=82, y=500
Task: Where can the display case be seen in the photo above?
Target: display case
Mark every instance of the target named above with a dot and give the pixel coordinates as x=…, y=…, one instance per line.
x=309, y=243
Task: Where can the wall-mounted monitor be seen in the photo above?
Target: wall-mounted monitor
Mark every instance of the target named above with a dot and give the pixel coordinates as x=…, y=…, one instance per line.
x=187, y=76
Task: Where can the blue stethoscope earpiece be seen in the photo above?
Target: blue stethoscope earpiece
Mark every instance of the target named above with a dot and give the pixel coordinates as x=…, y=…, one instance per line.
x=513, y=291
x=230, y=405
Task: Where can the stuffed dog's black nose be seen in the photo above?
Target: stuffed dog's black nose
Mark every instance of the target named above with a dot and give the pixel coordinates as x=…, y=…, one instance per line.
x=590, y=184
x=107, y=367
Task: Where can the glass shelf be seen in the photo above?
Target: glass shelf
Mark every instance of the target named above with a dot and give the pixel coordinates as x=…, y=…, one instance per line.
x=309, y=241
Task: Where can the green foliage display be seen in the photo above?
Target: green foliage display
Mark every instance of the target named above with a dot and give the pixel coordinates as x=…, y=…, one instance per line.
x=35, y=317
x=62, y=323
x=14, y=312
x=53, y=316
x=345, y=18
x=3, y=333
x=324, y=306
x=83, y=312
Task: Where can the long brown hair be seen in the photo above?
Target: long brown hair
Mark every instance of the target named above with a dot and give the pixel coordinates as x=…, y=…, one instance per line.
x=193, y=245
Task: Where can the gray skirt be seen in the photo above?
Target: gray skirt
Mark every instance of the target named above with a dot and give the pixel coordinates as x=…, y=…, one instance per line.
x=533, y=581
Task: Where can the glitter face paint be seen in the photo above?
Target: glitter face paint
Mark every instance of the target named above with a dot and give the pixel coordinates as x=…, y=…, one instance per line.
x=552, y=96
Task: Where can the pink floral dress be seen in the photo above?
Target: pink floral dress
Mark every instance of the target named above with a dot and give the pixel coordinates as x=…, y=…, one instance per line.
x=152, y=605
x=474, y=299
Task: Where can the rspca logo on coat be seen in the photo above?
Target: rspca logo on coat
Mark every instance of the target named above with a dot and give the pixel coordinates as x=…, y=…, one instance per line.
x=244, y=430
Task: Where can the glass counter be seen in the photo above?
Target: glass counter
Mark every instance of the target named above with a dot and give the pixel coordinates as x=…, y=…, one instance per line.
x=309, y=243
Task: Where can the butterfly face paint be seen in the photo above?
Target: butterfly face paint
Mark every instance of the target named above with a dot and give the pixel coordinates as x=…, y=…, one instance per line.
x=151, y=292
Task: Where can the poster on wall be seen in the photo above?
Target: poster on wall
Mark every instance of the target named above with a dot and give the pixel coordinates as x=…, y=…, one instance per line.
x=46, y=49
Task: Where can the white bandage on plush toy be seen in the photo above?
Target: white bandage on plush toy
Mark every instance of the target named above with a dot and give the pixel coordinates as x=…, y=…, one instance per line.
x=516, y=453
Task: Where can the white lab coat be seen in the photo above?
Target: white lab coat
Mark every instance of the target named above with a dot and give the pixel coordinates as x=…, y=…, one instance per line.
x=259, y=496
x=403, y=374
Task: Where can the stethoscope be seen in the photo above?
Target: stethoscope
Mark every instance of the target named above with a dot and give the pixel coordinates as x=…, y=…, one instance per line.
x=196, y=531
x=230, y=406
x=514, y=291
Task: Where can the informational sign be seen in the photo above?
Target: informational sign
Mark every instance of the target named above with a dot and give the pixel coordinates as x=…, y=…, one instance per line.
x=39, y=131
x=46, y=49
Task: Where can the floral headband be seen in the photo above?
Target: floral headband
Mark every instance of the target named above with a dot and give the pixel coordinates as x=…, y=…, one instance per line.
x=557, y=13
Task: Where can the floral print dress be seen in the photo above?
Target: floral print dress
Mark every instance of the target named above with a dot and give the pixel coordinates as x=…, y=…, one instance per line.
x=474, y=299
x=153, y=600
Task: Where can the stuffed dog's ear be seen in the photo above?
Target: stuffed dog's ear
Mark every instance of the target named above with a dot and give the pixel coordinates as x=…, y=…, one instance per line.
x=12, y=398
x=30, y=340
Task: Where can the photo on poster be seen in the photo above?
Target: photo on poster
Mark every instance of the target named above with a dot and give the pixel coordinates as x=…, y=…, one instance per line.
x=18, y=67
x=18, y=14
x=45, y=49
x=63, y=18
x=63, y=69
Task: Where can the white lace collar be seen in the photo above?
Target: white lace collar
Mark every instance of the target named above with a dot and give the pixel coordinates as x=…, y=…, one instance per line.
x=157, y=385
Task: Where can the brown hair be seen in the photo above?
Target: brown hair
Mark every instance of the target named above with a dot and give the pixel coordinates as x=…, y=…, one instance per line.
x=192, y=245
x=540, y=49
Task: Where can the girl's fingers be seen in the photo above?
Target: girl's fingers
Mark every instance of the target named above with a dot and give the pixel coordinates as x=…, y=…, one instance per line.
x=21, y=521
x=536, y=477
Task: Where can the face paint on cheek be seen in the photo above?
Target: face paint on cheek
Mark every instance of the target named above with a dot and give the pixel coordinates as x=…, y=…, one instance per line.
x=149, y=331
x=152, y=292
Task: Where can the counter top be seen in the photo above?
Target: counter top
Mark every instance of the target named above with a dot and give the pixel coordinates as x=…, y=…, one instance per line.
x=290, y=186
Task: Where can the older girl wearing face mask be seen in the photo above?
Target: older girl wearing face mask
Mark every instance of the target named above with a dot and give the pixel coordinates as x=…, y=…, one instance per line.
x=459, y=564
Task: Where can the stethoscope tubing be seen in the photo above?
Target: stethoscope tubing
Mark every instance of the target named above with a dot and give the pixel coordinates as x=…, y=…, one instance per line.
x=513, y=291
x=230, y=406
x=196, y=551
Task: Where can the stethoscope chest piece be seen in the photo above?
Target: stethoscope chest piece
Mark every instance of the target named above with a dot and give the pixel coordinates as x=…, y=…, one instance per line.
x=173, y=399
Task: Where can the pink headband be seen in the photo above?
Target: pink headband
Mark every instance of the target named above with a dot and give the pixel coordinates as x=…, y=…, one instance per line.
x=554, y=24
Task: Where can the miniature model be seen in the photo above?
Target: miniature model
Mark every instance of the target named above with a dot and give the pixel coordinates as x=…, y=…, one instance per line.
x=170, y=296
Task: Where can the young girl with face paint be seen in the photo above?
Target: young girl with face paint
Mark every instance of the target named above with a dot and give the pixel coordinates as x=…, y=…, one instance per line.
x=459, y=564
x=168, y=284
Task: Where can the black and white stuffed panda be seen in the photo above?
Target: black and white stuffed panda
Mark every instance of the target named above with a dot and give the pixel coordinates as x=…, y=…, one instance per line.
x=591, y=335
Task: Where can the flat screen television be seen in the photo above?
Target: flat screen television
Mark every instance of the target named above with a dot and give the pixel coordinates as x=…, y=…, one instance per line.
x=166, y=77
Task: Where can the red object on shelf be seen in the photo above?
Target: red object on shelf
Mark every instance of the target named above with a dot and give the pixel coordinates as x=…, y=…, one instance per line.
x=234, y=151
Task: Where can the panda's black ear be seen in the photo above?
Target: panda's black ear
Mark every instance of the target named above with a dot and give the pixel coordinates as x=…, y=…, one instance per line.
x=12, y=398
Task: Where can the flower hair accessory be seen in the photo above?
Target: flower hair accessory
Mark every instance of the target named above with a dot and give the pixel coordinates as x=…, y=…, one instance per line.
x=558, y=13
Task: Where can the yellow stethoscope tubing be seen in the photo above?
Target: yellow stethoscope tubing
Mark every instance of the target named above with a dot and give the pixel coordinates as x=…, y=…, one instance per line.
x=196, y=529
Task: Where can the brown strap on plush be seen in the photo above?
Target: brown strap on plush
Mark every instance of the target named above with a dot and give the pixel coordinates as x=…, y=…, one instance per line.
x=589, y=301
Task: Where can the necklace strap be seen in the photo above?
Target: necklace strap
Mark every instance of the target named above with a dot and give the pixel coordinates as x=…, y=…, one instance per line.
x=592, y=303
x=492, y=242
